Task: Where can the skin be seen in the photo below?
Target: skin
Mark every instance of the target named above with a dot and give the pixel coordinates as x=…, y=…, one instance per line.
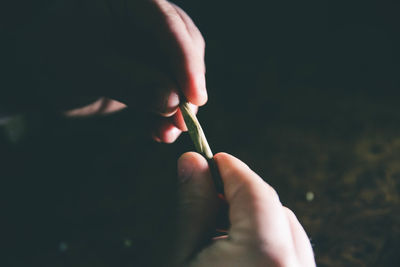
x=262, y=233
x=97, y=57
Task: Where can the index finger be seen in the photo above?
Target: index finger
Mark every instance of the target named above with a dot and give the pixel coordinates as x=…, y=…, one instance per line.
x=184, y=53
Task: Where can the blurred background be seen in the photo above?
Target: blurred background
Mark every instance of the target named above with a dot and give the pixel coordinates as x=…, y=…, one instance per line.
x=305, y=92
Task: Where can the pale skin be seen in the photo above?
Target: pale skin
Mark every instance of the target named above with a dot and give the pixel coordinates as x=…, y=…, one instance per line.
x=263, y=232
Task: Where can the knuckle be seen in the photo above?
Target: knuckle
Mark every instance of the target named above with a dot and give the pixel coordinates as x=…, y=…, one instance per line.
x=167, y=10
x=201, y=41
x=289, y=212
x=170, y=12
x=273, y=192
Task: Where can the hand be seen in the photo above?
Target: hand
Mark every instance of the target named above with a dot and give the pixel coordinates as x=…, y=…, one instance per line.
x=262, y=232
x=140, y=53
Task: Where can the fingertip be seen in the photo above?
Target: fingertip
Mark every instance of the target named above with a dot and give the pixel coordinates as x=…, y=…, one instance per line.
x=201, y=92
x=170, y=136
x=168, y=133
x=196, y=92
x=222, y=156
x=188, y=156
x=186, y=166
x=193, y=166
x=178, y=121
x=192, y=159
x=170, y=105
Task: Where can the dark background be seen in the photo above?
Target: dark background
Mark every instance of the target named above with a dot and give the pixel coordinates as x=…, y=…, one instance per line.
x=305, y=92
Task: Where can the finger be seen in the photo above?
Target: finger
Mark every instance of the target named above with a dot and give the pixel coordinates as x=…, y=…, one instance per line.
x=197, y=205
x=165, y=131
x=301, y=241
x=100, y=107
x=194, y=32
x=255, y=213
x=185, y=58
x=137, y=84
x=178, y=120
x=160, y=129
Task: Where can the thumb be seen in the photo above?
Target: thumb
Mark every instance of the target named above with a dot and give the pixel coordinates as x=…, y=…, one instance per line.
x=255, y=211
x=197, y=206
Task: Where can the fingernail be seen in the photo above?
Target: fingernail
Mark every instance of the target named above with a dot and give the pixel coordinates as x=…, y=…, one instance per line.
x=173, y=101
x=185, y=169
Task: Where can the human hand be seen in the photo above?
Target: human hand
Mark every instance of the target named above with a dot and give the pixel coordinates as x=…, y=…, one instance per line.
x=262, y=232
x=140, y=53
